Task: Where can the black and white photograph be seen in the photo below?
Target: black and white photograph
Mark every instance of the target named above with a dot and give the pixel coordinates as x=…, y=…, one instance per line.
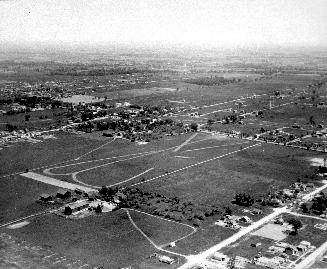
x=163, y=134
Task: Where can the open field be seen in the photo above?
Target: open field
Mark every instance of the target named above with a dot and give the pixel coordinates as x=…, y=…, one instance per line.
x=18, y=197
x=161, y=231
x=38, y=119
x=22, y=156
x=255, y=170
x=108, y=240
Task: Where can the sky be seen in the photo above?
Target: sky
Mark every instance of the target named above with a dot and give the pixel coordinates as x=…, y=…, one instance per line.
x=201, y=22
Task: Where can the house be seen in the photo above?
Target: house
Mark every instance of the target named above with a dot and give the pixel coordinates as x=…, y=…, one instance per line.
x=255, y=245
x=256, y=211
x=279, y=221
x=299, y=186
x=269, y=263
x=275, y=202
x=17, y=107
x=245, y=219
x=276, y=249
x=109, y=133
x=305, y=243
x=240, y=262
x=63, y=194
x=291, y=250
x=218, y=256
x=288, y=192
x=119, y=196
x=78, y=191
x=303, y=246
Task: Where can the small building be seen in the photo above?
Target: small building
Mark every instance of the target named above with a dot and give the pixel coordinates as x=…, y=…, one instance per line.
x=63, y=194
x=45, y=197
x=267, y=262
x=256, y=211
x=245, y=219
x=109, y=133
x=279, y=221
x=291, y=250
x=166, y=259
x=288, y=192
x=218, y=256
x=305, y=243
x=78, y=191
x=77, y=207
x=276, y=249
x=255, y=245
x=302, y=248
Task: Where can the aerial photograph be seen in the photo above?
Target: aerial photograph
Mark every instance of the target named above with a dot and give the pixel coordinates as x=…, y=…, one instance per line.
x=147, y=134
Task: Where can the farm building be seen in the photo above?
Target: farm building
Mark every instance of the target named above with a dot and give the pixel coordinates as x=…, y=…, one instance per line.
x=274, y=263
x=45, y=197
x=63, y=194
x=166, y=259
x=76, y=207
x=218, y=256
x=256, y=211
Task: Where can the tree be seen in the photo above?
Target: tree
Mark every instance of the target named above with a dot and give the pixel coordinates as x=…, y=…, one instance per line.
x=296, y=224
x=210, y=121
x=228, y=211
x=244, y=199
x=11, y=127
x=27, y=117
x=68, y=211
x=233, y=118
x=194, y=127
x=98, y=209
x=304, y=208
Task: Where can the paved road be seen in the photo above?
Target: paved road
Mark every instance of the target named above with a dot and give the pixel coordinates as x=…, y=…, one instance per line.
x=56, y=182
x=197, y=259
x=313, y=257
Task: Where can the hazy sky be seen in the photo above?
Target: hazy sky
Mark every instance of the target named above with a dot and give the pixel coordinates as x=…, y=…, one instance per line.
x=213, y=22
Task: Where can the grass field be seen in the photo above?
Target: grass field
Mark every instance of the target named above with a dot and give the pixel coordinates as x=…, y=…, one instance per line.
x=161, y=231
x=18, y=197
x=254, y=170
x=108, y=240
x=23, y=156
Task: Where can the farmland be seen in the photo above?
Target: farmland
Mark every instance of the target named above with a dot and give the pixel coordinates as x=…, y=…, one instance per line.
x=171, y=150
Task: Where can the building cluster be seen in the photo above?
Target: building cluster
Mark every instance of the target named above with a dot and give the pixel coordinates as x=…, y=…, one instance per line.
x=278, y=257
x=10, y=138
x=232, y=221
x=79, y=203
